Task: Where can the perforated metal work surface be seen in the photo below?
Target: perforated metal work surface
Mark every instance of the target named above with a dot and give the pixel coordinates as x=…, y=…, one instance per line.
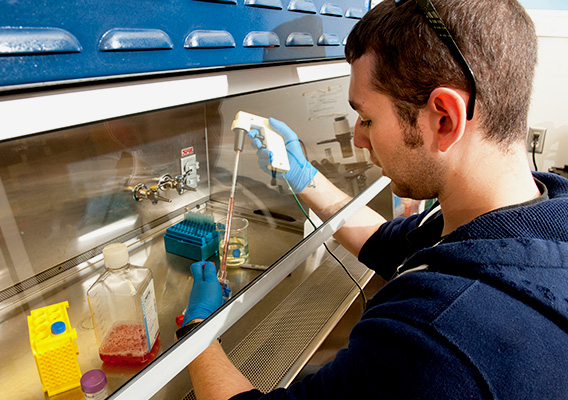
x=274, y=346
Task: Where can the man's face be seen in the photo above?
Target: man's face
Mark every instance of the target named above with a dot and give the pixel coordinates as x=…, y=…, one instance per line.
x=414, y=171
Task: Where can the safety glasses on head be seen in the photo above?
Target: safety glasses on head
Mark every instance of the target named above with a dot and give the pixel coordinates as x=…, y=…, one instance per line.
x=434, y=20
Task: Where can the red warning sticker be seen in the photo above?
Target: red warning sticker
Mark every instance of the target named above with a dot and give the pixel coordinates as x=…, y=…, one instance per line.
x=187, y=151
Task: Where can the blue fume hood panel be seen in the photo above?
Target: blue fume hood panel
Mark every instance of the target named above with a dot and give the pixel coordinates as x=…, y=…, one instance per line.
x=56, y=41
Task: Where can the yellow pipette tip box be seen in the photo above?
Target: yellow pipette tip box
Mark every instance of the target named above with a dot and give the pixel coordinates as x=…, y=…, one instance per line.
x=54, y=347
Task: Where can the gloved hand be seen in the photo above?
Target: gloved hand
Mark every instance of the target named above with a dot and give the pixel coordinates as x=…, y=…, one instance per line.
x=206, y=294
x=301, y=172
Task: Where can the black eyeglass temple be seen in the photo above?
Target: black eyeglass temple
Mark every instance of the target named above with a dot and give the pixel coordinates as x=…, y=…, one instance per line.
x=434, y=20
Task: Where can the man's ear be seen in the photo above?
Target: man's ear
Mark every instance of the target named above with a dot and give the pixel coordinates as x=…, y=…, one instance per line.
x=448, y=115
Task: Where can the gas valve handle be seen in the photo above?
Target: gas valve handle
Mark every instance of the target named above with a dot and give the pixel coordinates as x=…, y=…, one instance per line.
x=154, y=196
x=180, y=185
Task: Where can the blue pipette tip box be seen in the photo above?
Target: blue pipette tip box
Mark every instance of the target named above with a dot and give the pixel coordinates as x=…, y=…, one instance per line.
x=195, y=237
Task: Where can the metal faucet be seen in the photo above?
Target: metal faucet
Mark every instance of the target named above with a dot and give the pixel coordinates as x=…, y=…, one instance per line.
x=141, y=192
x=177, y=183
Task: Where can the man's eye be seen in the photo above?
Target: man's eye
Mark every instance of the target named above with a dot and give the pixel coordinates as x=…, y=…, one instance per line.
x=365, y=123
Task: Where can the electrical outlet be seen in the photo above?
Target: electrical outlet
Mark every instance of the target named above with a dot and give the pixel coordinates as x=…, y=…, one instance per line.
x=536, y=138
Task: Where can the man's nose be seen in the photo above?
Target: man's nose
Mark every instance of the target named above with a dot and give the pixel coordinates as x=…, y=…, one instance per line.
x=359, y=139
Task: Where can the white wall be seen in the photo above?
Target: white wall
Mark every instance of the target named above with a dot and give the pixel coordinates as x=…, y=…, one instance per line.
x=549, y=107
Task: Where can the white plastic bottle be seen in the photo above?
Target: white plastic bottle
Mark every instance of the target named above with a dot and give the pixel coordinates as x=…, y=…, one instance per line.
x=124, y=311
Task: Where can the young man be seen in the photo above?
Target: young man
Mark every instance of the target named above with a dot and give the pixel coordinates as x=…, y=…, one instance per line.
x=478, y=304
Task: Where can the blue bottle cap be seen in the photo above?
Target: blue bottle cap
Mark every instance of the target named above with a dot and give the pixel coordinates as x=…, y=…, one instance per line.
x=58, y=327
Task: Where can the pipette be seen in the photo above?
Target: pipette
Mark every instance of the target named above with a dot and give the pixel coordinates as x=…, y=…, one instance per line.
x=270, y=140
x=222, y=275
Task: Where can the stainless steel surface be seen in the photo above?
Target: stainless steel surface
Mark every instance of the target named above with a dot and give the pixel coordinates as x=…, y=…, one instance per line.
x=64, y=193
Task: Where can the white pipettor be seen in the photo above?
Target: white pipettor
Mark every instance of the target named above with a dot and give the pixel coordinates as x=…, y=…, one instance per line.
x=269, y=138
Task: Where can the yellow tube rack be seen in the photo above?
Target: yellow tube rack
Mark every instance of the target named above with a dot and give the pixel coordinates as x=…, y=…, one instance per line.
x=55, y=350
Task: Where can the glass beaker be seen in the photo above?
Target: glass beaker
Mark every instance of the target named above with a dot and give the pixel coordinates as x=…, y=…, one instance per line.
x=238, y=249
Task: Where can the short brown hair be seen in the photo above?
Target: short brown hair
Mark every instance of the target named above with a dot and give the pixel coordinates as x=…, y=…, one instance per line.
x=496, y=37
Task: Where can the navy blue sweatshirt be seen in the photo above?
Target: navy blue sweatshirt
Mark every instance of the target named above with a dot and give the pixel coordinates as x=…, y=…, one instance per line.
x=485, y=316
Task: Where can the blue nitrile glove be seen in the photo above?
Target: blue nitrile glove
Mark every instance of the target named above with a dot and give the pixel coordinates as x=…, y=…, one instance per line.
x=301, y=171
x=206, y=295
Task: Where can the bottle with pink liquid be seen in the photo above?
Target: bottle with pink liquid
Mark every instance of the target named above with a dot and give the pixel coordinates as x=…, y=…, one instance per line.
x=123, y=309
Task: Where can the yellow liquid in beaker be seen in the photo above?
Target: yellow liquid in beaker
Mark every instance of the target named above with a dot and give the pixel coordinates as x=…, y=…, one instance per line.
x=237, y=251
